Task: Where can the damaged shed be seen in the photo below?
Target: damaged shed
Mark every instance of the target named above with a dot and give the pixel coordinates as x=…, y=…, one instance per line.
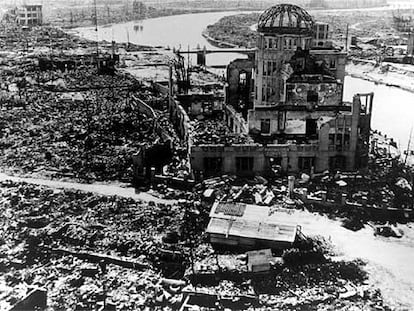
x=248, y=227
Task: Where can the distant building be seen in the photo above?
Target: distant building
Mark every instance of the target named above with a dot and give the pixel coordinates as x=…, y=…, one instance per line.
x=139, y=9
x=321, y=36
x=30, y=15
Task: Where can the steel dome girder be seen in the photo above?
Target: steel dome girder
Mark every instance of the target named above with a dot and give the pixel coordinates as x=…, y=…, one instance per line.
x=278, y=15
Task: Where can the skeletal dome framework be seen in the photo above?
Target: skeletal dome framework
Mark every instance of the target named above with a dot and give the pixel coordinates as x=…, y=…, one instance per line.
x=285, y=18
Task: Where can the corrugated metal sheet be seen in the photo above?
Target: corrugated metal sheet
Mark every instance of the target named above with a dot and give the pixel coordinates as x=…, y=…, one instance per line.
x=228, y=209
x=252, y=229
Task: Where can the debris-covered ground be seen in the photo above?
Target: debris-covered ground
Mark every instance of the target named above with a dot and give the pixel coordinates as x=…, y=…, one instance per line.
x=40, y=226
x=85, y=248
x=215, y=132
x=71, y=121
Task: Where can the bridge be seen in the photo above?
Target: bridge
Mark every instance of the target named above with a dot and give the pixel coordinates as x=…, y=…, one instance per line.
x=202, y=53
x=212, y=51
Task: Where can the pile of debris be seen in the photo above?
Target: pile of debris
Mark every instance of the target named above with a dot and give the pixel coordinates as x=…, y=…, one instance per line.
x=90, y=139
x=382, y=193
x=74, y=123
x=62, y=119
x=258, y=190
x=214, y=132
x=83, y=247
x=384, y=187
x=258, y=279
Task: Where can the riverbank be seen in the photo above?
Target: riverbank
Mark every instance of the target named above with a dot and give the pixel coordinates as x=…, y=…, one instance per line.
x=390, y=74
x=72, y=17
x=218, y=43
x=233, y=30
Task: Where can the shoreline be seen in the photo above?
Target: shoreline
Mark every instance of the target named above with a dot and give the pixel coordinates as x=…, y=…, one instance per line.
x=362, y=77
x=106, y=23
x=394, y=76
x=218, y=43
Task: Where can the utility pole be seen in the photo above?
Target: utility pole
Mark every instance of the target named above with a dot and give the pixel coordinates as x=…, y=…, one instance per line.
x=408, y=147
x=97, y=34
x=346, y=39
x=188, y=71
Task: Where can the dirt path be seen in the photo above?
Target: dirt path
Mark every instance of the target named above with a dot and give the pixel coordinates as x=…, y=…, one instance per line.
x=103, y=189
x=390, y=260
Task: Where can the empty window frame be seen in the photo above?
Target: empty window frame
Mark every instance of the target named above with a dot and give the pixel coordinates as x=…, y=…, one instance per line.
x=281, y=117
x=321, y=36
x=332, y=63
x=306, y=163
x=337, y=163
x=213, y=164
x=311, y=127
x=312, y=97
x=243, y=79
x=265, y=126
x=244, y=164
x=275, y=161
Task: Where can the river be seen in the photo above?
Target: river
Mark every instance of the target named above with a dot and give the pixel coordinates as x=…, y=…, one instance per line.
x=179, y=31
x=393, y=111
x=390, y=261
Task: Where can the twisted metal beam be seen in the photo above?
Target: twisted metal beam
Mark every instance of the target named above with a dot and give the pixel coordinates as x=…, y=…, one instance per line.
x=277, y=16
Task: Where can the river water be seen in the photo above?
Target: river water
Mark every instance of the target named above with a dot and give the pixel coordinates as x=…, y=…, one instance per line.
x=391, y=261
x=393, y=111
x=180, y=31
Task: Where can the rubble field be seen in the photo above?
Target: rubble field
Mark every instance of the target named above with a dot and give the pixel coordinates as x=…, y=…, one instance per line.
x=85, y=248
x=214, y=132
x=92, y=139
x=72, y=122
x=90, y=251
x=42, y=227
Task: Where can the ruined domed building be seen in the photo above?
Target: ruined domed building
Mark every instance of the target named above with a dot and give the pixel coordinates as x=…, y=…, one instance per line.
x=295, y=111
x=284, y=31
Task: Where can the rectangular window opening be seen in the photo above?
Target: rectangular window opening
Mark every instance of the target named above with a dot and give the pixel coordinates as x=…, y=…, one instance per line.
x=244, y=164
x=265, y=126
x=213, y=164
x=311, y=127
x=306, y=163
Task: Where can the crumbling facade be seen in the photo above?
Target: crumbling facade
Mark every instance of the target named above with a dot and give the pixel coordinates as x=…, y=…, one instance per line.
x=239, y=85
x=298, y=121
